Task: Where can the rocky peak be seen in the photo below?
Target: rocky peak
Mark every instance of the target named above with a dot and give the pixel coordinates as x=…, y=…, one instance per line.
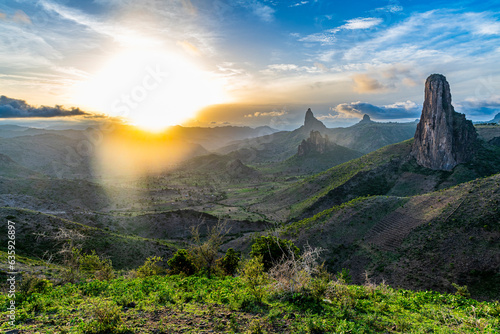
x=312, y=123
x=495, y=119
x=315, y=143
x=444, y=138
x=366, y=119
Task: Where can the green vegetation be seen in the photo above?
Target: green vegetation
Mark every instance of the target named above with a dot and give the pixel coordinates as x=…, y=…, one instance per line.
x=272, y=250
x=175, y=304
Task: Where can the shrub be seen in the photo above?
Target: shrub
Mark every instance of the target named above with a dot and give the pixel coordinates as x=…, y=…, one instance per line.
x=181, y=263
x=105, y=318
x=206, y=253
x=273, y=250
x=254, y=276
x=150, y=267
x=91, y=264
x=295, y=274
x=229, y=263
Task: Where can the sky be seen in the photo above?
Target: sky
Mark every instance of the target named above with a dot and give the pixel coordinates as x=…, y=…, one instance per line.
x=244, y=62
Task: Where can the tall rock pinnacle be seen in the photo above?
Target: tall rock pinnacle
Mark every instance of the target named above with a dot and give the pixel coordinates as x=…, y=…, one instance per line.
x=312, y=123
x=444, y=138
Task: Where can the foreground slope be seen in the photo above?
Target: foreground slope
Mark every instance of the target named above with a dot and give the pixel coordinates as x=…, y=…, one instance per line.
x=173, y=304
x=421, y=242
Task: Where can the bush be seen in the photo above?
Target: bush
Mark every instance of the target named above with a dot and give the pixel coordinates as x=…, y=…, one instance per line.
x=181, y=263
x=105, y=318
x=273, y=250
x=295, y=274
x=254, y=276
x=205, y=254
x=91, y=264
x=150, y=267
x=229, y=263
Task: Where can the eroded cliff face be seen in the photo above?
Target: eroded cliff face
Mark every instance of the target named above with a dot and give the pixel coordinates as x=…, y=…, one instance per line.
x=315, y=143
x=444, y=138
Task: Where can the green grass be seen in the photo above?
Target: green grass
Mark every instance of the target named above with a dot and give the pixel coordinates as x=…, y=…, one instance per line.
x=172, y=304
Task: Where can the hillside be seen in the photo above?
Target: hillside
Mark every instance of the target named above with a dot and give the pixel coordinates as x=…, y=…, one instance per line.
x=390, y=170
x=43, y=236
x=420, y=242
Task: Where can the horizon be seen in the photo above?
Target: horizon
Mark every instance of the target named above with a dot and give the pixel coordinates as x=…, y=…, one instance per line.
x=245, y=63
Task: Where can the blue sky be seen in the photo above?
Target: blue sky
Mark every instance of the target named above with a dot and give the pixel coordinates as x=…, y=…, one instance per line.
x=262, y=61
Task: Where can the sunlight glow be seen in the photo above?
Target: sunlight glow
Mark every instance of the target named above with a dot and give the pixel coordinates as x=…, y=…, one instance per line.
x=152, y=90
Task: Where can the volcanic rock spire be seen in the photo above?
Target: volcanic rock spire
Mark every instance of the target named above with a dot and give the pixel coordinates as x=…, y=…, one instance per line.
x=312, y=123
x=444, y=138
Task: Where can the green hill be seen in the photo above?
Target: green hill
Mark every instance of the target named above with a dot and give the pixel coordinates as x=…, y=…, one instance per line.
x=421, y=242
x=43, y=236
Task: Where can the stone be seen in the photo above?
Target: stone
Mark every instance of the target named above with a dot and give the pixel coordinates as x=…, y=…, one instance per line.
x=315, y=143
x=366, y=119
x=444, y=138
x=312, y=123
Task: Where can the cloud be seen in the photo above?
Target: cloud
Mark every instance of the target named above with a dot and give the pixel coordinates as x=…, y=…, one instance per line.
x=390, y=9
x=301, y=3
x=13, y=108
x=274, y=113
x=21, y=17
x=264, y=12
x=361, y=23
x=479, y=107
x=398, y=110
x=327, y=37
x=274, y=68
x=365, y=84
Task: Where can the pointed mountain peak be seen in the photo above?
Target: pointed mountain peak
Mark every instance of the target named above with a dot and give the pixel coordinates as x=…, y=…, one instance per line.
x=312, y=123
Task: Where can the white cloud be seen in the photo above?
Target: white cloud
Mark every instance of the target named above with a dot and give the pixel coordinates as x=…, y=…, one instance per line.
x=274, y=113
x=301, y=3
x=264, y=12
x=361, y=23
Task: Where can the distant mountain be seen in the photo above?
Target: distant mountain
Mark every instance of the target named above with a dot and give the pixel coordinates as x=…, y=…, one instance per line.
x=9, y=168
x=216, y=137
x=222, y=166
x=366, y=136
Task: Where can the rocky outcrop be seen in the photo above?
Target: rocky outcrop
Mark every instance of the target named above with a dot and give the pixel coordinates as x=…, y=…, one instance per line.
x=315, y=143
x=312, y=123
x=444, y=138
x=366, y=119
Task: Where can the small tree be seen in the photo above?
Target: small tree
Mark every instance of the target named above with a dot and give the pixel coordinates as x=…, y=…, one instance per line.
x=229, y=263
x=181, y=263
x=206, y=253
x=254, y=276
x=92, y=264
x=273, y=250
x=150, y=267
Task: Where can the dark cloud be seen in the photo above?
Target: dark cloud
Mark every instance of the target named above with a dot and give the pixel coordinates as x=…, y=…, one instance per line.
x=13, y=108
x=398, y=110
x=480, y=107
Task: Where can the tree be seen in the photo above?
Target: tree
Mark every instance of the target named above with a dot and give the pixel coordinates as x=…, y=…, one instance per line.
x=273, y=250
x=181, y=263
x=205, y=253
x=229, y=263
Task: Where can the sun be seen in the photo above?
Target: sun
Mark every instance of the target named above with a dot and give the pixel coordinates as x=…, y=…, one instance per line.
x=151, y=89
